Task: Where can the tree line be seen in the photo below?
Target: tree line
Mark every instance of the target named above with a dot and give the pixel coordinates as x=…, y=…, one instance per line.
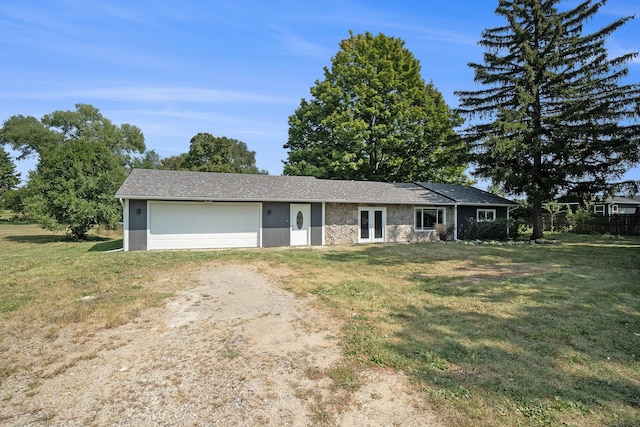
x=553, y=117
x=82, y=160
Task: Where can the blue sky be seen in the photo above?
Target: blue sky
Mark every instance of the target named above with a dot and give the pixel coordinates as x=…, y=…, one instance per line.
x=230, y=68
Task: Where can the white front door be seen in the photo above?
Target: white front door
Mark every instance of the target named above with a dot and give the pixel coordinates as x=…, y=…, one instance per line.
x=372, y=224
x=300, y=222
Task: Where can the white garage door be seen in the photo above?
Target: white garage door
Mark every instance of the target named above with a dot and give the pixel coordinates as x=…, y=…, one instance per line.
x=198, y=225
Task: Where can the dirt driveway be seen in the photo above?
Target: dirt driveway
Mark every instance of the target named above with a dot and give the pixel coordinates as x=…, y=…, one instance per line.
x=236, y=350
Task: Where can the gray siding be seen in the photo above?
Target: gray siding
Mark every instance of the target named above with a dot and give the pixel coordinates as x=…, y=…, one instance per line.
x=137, y=225
x=465, y=212
x=275, y=224
x=627, y=209
x=316, y=224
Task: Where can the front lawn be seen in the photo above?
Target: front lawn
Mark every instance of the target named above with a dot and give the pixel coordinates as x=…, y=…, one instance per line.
x=490, y=335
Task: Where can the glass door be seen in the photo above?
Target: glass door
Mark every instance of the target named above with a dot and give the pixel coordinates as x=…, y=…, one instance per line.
x=371, y=224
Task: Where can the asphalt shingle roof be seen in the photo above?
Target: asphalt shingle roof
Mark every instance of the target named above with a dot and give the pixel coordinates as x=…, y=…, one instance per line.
x=466, y=195
x=624, y=200
x=184, y=185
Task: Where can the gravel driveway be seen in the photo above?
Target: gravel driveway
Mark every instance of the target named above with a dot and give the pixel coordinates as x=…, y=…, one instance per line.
x=236, y=350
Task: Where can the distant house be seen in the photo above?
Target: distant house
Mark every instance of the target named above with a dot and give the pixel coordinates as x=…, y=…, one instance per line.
x=617, y=206
x=199, y=210
x=610, y=206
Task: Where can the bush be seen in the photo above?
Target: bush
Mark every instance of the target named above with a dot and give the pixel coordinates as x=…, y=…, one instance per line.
x=444, y=232
x=13, y=200
x=489, y=230
x=579, y=220
x=519, y=227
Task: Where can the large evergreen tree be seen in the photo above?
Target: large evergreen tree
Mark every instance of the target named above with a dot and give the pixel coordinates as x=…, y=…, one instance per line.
x=373, y=118
x=9, y=178
x=556, y=115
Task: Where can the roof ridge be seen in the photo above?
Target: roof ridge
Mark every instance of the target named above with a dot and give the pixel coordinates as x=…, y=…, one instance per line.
x=424, y=185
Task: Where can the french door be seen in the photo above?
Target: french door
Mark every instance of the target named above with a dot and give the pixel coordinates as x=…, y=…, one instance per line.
x=372, y=224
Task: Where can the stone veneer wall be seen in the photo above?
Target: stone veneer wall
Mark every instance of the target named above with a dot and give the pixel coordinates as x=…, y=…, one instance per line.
x=341, y=224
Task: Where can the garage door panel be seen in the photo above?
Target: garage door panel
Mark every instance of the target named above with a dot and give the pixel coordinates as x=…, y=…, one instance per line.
x=184, y=225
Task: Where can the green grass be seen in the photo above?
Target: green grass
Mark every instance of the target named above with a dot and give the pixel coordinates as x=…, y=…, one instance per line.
x=489, y=335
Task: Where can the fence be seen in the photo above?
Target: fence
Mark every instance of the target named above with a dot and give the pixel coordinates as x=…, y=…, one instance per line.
x=615, y=224
x=628, y=225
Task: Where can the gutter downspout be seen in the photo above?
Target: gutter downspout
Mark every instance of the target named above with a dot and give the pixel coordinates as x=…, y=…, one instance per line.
x=125, y=224
x=455, y=221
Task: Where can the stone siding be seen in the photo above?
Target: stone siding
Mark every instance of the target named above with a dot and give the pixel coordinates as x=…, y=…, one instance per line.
x=341, y=224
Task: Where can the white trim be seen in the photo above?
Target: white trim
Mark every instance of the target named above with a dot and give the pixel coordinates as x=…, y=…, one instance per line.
x=371, y=211
x=125, y=225
x=148, y=225
x=182, y=225
x=597, y=208
x=305, y=209
x=323, y=225
x=485, y=210
x=260, y=225
x=278, y=200
x=282, y=200
x=614, y=209
x=455, y=222
x=424, y=229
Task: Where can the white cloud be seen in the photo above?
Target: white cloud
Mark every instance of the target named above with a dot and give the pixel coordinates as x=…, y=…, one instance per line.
x=301, y=46
x=154, y=95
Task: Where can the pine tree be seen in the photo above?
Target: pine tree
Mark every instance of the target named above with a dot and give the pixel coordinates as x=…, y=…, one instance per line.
x=555, y=116
x=9, y=178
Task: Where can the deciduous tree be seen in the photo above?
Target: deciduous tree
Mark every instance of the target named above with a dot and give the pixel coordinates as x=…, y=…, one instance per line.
x=31, y=136
x=175, y=163
x=81, y=163
x=73, y=185
x=373, y=117
x=208, y=153
x=150, y=159
x=555, y=115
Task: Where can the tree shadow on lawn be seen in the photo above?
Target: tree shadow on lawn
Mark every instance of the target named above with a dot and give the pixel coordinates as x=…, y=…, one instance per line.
x=110, y=245
x=557, y=350
x=59, y=238
x=396, y=253
x=39, y=238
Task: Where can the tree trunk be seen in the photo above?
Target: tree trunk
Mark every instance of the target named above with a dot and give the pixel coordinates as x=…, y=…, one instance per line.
x=538, y=230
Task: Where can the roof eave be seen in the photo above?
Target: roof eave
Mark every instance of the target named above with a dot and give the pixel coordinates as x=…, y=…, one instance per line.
x=277, y=200
x=501, y=205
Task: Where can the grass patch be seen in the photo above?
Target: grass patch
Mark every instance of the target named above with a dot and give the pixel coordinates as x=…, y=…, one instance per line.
x=230, y=352
x=496, y=335
x=344, y=377
x=490, y=335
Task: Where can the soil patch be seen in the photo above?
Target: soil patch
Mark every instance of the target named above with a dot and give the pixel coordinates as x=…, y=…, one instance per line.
x=235, y=349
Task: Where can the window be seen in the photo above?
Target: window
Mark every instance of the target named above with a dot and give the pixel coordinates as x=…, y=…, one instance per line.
x=299, y=220
x=486, y=215
x=598, y=209
x=614, y=210
x=371, y=224
x=428, y=218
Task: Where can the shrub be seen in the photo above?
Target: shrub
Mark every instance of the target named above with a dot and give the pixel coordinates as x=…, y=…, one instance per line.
x=579, y=220
x=489, y=230
x=444, y=232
